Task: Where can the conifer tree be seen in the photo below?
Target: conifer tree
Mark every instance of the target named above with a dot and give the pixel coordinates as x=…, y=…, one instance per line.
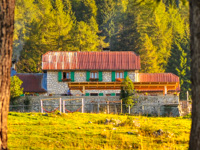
x=25, y=13
x=148, y=55
x=50, y=31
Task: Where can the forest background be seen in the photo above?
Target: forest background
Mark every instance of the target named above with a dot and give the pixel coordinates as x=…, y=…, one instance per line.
x=160, y=35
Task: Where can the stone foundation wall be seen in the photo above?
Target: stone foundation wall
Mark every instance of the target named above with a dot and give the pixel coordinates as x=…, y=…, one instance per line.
x=151, y=105
x=154, y=105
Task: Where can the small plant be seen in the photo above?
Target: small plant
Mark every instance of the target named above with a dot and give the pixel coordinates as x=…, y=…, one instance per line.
x=128, y=93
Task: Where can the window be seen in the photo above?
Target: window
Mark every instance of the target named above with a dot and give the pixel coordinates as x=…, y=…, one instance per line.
x=66, y=75
x=117, y=94
x=94, y=75
x=94, y=94
x=119, y=75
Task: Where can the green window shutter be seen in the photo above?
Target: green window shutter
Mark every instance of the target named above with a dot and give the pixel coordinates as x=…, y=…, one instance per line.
x=87, y=94
x=113, y=76
x=88, y=76
x=125, y=74
x=72, y=76
x=59, y=76
x=100, y=94
x=112, y=94
x=100, y=76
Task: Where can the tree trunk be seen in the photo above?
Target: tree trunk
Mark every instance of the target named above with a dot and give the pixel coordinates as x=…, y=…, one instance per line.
x=6, y=45
x=195, y=68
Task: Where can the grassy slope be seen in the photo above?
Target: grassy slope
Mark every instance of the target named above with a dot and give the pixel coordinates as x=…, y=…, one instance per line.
x=72, y=131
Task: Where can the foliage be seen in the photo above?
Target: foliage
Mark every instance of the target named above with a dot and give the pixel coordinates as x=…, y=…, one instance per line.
x=160, y=35
x=15, y=87
x=128, y=93
x=72, y=131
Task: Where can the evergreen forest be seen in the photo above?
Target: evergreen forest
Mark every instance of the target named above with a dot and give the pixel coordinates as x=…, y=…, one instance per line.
x=158, y=32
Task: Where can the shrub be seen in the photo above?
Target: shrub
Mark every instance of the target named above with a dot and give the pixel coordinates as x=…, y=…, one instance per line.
x=15, y=88
x=128, y=93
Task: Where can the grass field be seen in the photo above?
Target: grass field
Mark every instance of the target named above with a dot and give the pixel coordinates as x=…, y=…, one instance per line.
x=96, y=131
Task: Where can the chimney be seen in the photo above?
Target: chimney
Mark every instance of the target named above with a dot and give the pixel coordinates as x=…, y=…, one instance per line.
x=106, y=49
x=13, y=64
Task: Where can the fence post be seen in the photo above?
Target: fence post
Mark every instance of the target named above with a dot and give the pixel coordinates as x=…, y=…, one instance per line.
x=41, y=106
x=91, y=108
x=60, y=105
x=98, y=107
x=129, y=109
x=108, y=111
x=82, y=105
x=158, y=110
x=121, y=106
x=115, y=109
x=142, y=109
x=63, y=106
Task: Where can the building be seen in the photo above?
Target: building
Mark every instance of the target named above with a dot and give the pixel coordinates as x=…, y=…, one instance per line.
x=33, y=83
x=101, y=73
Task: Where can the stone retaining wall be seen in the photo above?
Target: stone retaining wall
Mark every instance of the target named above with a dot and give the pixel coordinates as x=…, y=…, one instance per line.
x=153, y=105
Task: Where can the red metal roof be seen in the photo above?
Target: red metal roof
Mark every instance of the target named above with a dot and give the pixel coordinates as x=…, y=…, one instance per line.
x=109, y=60
x=32, y=82
x=158, y=77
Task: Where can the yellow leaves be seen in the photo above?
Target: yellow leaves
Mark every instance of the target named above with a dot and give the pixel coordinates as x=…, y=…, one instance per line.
x=15, y=87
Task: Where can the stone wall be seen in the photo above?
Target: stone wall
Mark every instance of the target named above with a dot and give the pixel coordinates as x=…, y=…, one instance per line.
x=79, y=93
x=107, y=77
x=151, y=105
x=154, y=105
x=132, y=75
x=80, y=76
x=55, y=87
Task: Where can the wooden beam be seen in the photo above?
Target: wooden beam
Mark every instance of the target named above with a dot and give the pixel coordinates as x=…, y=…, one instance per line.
x=117, y=85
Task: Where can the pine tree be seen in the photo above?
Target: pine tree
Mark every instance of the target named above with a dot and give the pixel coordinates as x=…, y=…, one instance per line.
x=84, y=9
x=148, y=55
x=179, y=64
x=25, y=13
x=50, y=31
x=60, y=26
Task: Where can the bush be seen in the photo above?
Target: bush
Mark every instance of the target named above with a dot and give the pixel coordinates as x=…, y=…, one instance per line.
x=128, y=93
x=15, y=88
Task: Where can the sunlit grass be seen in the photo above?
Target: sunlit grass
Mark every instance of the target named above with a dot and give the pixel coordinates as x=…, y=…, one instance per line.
x=91, y=131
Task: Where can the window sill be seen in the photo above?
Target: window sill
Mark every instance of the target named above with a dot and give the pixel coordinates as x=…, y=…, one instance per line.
x=94, y=79
x=119, y=80
x=66, y=80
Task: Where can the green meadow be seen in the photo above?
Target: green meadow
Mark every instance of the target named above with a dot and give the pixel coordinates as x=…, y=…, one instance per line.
x=34, y=131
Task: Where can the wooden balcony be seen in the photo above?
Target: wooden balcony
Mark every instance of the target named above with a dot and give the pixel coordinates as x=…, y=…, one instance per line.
x=163, y=86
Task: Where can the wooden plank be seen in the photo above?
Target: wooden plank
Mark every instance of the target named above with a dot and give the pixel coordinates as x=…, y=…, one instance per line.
x=117, y=85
